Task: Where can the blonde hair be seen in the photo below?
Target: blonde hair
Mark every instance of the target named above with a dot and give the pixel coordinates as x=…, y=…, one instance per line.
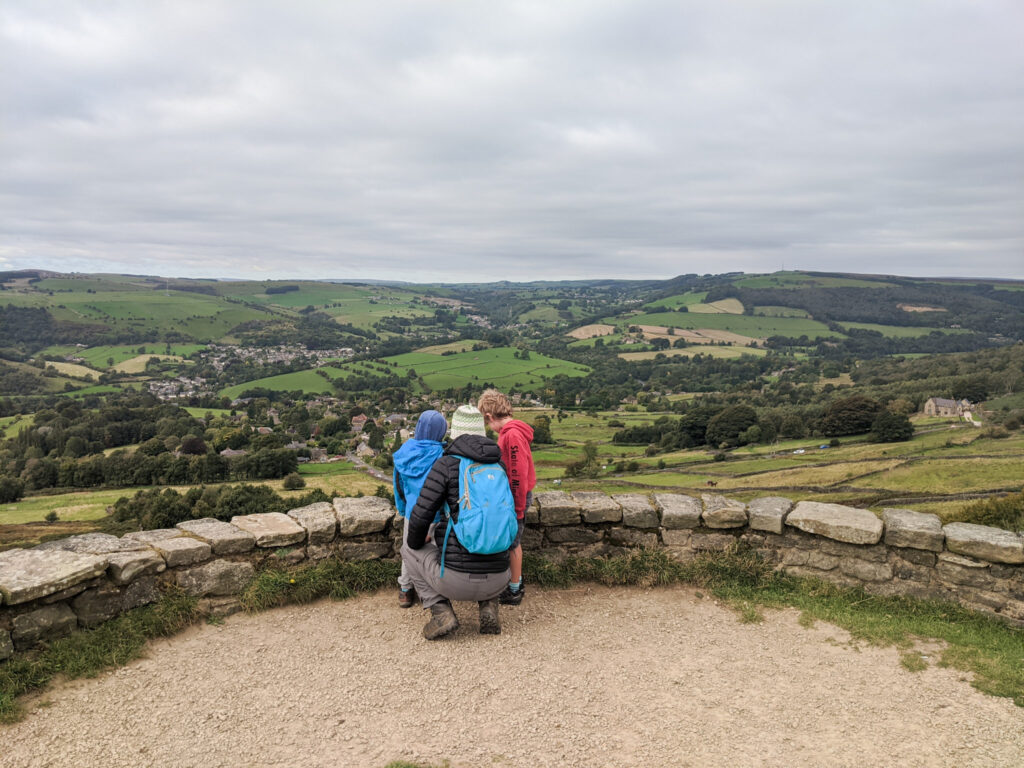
x=494, y=404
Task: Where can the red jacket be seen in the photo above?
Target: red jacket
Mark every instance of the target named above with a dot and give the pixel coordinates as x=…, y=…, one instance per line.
x=514, y=440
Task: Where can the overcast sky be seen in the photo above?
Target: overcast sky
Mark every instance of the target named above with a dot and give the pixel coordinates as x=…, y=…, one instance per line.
x=479, y=140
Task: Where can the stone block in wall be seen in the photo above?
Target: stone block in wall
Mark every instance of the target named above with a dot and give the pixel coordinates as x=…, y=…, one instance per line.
x=532, y=539
x=218, y=577
x=359, y=516
x=631, y=537
x=821, y=560
x=557, y=508
x=220, y=607
x=637, y=511
x=835, y=576
x=565, y=534
x=679, y=511
x=271, y=529
x=981, y=597
x=1013, y=610
x=768, y=513
x=363, y=550
x=154, y=535
x=711, y=542
x=907, y=571
x=917, y=556
x=77, y=589
x=836, y=521
x=125, y=567
x=6, y=645
x=914, y=530
x=676, y=537
x=93, y=544
x=876, y=553
x=42, y=624
x=963, y=571
x=795, y=556
x=722, y=512
x=865, y=570
x=27, y=574
x=985, y=542
x=319, y=520
x=752, y=539
x=223, y=538
x=182, y=550
x=95, y=606
x=142, y=591
x=288, y=555
x=532, y=514
x=597, y=507
x=319, y=551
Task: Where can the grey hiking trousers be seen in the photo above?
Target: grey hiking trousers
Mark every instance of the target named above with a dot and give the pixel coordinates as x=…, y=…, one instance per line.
x=423, y=566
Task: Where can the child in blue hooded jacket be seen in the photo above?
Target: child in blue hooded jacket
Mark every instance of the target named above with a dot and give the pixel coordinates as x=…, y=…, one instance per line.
x=413, y=461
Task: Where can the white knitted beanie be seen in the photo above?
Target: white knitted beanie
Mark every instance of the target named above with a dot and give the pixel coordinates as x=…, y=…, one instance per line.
x=467, y=420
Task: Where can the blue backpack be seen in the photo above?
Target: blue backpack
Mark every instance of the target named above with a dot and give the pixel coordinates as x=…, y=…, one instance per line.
x=487, y=512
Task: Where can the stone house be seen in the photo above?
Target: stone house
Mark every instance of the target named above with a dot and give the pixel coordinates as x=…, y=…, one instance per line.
x=940, y=406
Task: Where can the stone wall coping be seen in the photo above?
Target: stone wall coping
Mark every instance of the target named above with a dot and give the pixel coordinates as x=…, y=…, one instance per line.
x=985, y=542
x=835, y=521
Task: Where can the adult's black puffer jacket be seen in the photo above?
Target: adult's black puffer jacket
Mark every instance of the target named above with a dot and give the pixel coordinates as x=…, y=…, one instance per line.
x=441, y=485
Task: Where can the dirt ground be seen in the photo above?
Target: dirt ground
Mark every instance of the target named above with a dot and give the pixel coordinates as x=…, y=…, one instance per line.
x=582, y=677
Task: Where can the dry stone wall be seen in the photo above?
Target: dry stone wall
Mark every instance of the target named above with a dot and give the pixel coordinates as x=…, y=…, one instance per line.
x=82, y=581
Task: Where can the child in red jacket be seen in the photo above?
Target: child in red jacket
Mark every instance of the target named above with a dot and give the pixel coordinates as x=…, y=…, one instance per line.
x=514, y=438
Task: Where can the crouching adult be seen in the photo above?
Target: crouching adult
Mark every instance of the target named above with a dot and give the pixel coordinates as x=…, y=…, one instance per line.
x=465, y=575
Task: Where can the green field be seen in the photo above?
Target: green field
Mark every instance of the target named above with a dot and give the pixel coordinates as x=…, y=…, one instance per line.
x=307, y=381
x=901, y=332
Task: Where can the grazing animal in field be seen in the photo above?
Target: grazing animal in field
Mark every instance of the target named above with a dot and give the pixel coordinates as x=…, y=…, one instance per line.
x=712, y=483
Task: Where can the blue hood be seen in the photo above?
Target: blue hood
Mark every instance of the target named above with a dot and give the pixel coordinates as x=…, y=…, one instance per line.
x=415, y=457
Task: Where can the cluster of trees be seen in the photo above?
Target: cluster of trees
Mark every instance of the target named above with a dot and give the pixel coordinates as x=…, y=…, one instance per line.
x=164, y=509
x=123, y=469
x=728, y=426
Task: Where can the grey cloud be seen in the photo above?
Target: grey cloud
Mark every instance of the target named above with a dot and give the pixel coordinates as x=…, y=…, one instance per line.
x=512, y=140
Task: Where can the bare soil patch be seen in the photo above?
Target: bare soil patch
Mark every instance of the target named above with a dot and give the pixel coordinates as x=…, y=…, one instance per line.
x=583, y=677
x=698, y=336
x=920, y=308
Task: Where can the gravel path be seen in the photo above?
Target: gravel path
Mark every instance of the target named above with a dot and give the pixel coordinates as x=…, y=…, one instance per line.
x=583, y=677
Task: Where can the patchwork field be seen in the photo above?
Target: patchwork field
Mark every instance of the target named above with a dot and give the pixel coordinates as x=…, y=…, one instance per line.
x=803, y=280
x=591, y=331
x=138, y=364
x=70, y=369
x=725, y=306
x=308, y=381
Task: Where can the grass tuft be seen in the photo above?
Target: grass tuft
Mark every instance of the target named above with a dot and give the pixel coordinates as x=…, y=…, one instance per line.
x=913, y=662
x=337, y=579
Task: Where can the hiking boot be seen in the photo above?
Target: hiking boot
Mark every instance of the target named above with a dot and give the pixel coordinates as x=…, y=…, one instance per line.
x=489, y=622
x=508, y=597
x=406, y=597
x=442, y=621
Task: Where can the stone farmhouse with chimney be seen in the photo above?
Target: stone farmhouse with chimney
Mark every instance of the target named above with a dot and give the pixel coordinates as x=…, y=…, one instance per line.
x=940, y=406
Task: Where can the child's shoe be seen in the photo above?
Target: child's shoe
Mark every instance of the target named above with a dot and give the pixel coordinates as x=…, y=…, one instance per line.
x=406, y=597
x=508, y=597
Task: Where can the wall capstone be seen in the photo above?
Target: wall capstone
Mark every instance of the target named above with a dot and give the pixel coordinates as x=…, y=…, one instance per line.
x=854, y=526
x=223, y=538
x=914, y=530
x=678, y=511
x=987, y=543
x=720, y=512
x=271, y=529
